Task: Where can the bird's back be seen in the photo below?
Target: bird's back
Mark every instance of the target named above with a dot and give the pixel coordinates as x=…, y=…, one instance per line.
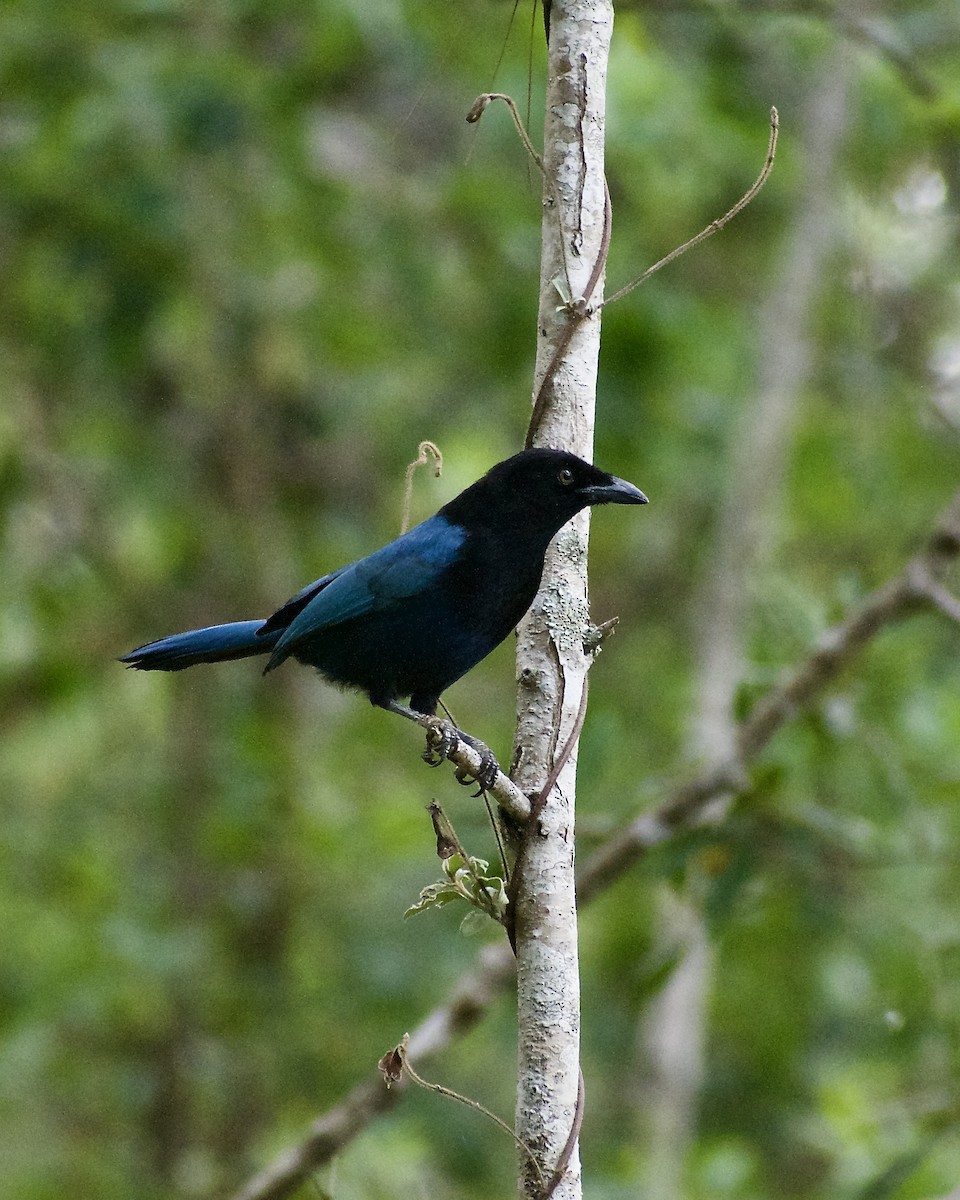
x=418, y=644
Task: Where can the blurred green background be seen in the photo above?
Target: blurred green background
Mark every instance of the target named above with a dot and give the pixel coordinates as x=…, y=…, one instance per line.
x=250, y=255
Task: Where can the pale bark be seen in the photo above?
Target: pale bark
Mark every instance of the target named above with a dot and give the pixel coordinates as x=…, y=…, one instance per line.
x=551, y=661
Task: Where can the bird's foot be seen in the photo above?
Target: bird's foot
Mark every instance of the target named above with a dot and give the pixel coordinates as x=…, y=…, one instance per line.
x=443, y=740
x=486, y=775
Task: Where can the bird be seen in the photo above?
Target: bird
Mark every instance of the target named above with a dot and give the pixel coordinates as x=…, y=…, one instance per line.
x=413, y=617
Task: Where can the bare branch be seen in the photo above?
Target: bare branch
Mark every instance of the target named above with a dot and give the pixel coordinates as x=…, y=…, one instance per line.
x=480, y=107
x=327, y=1135
x=403, y=1055
x=714, y=226
x=918, y=585
x=932, y=590
x=471, y=767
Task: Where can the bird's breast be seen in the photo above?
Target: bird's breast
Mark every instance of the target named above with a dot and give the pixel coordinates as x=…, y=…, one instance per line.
x=493, y=583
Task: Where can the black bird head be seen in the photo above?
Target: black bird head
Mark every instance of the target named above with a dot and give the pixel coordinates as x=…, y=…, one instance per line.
x=543, y=489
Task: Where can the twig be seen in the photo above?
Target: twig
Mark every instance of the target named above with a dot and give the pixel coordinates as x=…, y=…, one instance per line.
x=334, y=1129
x=565, y=752
x=580, y=309
x=402, y=1055
x=714, y=226
x=470, y=764
x=479, y=107
x=498, y=835
x=421, y=460
x=449, y=845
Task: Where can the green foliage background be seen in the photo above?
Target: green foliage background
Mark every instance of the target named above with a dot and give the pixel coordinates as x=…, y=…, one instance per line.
x=251, y=255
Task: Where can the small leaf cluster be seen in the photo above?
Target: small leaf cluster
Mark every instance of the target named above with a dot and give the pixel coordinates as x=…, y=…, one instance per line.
x=467, y=878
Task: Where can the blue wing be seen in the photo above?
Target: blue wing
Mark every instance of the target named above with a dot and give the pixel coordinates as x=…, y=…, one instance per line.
x=282, y=618
x=411, y=564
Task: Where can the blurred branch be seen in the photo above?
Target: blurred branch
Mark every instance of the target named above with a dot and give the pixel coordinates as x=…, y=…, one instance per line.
x=920, y=585
x=881, y=36
x=761, y=431
x=936, y=593
x=878, y=33
x=329, y=1133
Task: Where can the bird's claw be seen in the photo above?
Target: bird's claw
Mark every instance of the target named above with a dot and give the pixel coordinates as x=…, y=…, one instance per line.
x=486, y=776
x=442, y=742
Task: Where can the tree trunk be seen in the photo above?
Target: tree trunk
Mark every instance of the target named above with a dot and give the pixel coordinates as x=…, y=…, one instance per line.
x=552, y=664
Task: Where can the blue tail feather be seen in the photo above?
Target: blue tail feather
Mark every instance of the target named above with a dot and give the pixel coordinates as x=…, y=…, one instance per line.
x=216, y=643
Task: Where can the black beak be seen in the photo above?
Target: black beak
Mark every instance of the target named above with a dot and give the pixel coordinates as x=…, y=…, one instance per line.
x=617, y=491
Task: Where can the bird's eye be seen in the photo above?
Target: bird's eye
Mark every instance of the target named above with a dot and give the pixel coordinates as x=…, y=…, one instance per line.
x=565, y=475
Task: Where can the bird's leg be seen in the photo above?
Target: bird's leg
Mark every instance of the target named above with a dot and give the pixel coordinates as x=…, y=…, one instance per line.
x=443, y=738
x=404, y=710
x=489, y=769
